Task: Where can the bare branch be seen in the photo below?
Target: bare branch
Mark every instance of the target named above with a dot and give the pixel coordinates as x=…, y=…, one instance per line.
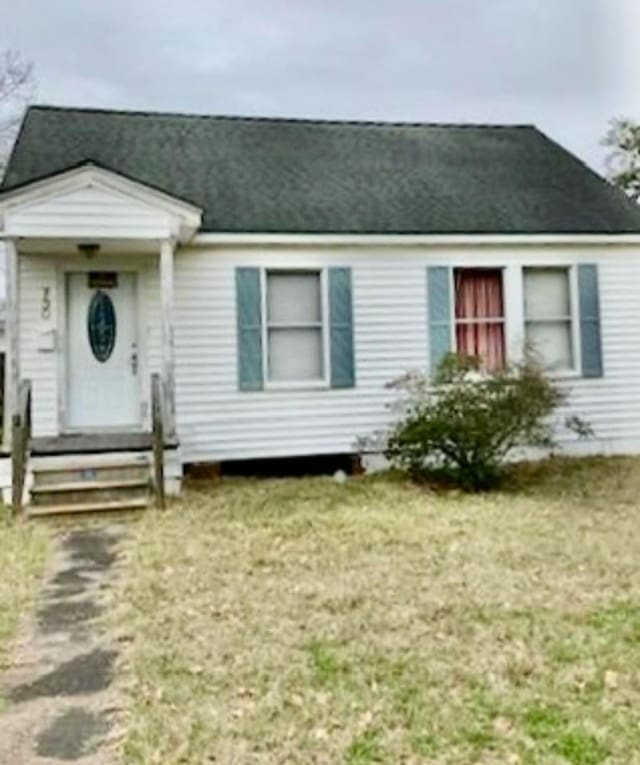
x=17, y=88
x=15, y=74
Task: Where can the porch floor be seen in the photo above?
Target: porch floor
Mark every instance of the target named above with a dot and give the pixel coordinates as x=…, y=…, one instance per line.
x=94, y=443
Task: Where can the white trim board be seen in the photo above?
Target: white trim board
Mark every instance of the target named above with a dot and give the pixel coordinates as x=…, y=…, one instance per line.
x=386, y=240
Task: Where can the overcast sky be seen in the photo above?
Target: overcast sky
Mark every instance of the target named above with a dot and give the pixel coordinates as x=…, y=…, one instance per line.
x=567, y=65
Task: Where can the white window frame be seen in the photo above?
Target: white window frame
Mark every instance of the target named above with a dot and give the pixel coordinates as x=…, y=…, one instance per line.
x=574, y=371
x=287, y=385
x=505, y=306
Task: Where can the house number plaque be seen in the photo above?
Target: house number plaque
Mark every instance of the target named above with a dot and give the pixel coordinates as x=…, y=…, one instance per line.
x=103, y=280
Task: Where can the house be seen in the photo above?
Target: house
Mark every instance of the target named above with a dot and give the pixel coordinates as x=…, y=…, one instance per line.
x=277, y=274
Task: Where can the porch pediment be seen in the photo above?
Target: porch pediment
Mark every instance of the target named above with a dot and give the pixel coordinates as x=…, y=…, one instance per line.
x=91, y=202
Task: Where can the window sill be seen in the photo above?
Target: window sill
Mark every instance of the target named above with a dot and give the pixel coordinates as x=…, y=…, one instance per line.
x=290, y=387
x=569, y=374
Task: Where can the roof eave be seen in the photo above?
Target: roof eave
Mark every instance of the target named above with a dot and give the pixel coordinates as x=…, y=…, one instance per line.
x=415, y=239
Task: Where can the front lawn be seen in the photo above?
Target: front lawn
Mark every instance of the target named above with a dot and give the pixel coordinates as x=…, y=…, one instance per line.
x=23, y=552
x=302, y=621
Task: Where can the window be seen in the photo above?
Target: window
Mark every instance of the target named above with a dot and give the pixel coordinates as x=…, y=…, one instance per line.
x=480, y=314
x=548, y=317
x=294, y=326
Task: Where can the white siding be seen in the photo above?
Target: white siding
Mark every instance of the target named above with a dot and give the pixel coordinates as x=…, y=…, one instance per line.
x=3, y=272
x=217, y=422
x=40, y=366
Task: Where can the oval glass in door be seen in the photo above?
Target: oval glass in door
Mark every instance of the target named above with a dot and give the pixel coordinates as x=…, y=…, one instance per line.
x=101, y=326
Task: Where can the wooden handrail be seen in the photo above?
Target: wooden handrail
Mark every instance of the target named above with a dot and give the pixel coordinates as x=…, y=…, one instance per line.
x=20, y=442
x=157, y=431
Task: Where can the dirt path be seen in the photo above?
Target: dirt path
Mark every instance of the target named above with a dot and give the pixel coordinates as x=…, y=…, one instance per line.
x=60, y=706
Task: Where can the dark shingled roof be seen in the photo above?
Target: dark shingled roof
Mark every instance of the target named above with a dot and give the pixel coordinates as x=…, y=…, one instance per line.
x=277, y=175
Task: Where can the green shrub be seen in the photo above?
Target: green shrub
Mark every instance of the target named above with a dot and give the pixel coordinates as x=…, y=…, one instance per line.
x=464, y=424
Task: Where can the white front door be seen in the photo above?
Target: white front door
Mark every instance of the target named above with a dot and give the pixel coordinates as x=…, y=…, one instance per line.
x=102, y=351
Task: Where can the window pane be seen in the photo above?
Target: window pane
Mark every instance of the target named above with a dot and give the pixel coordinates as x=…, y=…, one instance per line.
x=295, y=354
x=293, y=298
x=479, y=293
x=546, y=293
x=485, y=341
x=551, y=344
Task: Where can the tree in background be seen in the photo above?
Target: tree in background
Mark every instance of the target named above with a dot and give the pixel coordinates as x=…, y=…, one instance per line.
x=17, y=88
x=623, y=139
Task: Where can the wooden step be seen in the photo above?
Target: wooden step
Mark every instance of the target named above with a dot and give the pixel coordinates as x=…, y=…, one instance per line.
x=61, y=484
x=140, y=503
x=89, y=483
x=85, y=474
x=80, y=461
x=54, y=488
x=94, y=492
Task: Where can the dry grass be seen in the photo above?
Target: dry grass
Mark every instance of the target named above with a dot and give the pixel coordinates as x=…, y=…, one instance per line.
x=23, y=552
x=300, y=621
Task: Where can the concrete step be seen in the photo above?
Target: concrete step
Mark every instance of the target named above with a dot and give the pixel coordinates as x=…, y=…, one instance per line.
x=35, y=511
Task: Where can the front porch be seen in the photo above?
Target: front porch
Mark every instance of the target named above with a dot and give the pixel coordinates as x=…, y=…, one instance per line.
x=92, y=472
x=90, y=367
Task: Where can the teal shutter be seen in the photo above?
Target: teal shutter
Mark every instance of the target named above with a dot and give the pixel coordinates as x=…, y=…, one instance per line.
x=341, y=328
x=439, y=312
x=249, y=315
x=590, y=334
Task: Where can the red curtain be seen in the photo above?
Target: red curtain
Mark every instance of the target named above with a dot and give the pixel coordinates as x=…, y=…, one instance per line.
x=478, y=297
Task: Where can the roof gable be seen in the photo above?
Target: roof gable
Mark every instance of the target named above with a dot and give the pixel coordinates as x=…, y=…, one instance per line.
x=295, y=176
x=92, y=201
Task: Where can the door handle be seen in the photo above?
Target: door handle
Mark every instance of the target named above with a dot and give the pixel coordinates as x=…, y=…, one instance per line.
x=134, y=361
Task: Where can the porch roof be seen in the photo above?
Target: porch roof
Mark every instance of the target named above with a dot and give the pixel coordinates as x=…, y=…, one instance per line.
x=93, y=203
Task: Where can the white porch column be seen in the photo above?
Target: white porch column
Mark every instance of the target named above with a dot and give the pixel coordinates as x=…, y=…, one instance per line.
x=12, y=355
x=167, y=249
